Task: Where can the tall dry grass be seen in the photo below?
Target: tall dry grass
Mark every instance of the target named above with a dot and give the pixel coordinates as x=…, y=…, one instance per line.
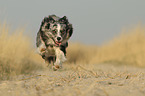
x=15, y=53
x=127, y=48
x=18, y=57
x=80, y=53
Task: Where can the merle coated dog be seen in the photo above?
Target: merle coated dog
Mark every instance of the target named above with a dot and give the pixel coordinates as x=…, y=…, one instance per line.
x=52, y=39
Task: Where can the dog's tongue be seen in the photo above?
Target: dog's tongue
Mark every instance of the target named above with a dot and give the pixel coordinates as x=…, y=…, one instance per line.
x=58, y=43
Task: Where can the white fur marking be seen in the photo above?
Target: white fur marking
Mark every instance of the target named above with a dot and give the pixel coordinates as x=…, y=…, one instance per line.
x=58, y=28
x=60, y=57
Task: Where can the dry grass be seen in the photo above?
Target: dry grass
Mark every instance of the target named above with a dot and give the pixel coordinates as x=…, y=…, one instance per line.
x=80, y=76
x=15, y=53
x=127, y=48
x=18, y=57
x=79, y=53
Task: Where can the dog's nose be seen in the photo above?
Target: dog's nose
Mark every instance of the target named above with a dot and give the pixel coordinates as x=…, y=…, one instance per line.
x=58, y=38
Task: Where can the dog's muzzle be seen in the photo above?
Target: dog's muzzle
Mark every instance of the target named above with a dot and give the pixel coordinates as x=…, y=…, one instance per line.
x=58, y=41
x=58, y=38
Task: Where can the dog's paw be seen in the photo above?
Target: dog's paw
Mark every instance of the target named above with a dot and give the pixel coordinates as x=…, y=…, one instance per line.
x=42, y=50
x=55, y=68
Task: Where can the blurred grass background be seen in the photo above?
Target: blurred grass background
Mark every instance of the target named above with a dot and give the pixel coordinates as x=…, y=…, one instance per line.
x=18, y=56
x=15, y=53
x=127, y=48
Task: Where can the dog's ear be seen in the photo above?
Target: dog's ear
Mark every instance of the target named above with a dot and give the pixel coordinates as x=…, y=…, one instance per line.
x=50, y=19
x=46, y=19
x=70, y=30
x=46, y=22
x=63, y=20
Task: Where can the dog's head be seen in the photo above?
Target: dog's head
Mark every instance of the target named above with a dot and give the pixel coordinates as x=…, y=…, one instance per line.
x=56, y=28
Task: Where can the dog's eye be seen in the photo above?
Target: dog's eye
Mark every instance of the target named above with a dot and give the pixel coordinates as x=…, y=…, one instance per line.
x=62, y=31
x=54, y=31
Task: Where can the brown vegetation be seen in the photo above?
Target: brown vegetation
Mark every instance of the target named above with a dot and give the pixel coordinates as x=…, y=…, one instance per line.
x=127, y=48
x=17, y=55
x=82, y=74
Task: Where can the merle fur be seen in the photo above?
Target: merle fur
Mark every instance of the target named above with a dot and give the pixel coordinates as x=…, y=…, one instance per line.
x=52, y=19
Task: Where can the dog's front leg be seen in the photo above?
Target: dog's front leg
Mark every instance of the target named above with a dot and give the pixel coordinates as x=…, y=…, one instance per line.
x=60, y=58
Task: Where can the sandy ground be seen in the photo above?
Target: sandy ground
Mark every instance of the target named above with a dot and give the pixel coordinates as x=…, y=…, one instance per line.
x=79, y=80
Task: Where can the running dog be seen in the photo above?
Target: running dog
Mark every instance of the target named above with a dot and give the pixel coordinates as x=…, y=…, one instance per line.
x=52, y=39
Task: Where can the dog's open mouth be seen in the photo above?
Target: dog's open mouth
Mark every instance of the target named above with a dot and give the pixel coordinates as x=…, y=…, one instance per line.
x=58, y=43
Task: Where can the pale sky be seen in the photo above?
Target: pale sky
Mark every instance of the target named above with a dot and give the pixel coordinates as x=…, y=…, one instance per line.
x=94, y=21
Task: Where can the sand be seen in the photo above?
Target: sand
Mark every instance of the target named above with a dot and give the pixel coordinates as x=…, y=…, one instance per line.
x=79, y=80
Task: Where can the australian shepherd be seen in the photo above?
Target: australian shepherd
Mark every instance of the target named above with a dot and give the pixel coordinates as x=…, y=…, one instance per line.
x=52, y=39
